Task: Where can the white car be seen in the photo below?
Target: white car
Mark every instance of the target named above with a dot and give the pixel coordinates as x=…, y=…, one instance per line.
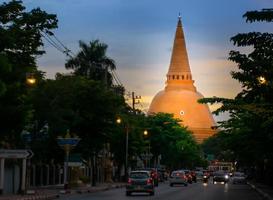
x=178, y=177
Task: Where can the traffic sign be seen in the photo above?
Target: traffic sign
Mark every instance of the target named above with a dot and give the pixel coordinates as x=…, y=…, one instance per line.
x=16, y=153
x=68, y=141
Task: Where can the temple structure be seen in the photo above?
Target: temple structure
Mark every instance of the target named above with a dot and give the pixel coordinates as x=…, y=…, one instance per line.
x=180, y=95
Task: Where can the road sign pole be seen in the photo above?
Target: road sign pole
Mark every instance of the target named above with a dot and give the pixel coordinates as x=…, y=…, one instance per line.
x=24, y=169
x=2, y=168
x=66, y=168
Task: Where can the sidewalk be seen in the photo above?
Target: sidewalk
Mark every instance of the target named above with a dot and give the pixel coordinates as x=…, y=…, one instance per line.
x=264, y=190
x=48, y=193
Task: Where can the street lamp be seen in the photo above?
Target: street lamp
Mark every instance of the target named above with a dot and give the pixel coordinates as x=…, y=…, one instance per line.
x=126, y=145
x=145, y=133
x=30, y=79
x=148, y=155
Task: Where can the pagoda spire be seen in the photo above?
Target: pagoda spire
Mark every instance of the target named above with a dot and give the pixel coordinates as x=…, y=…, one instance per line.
x=179, y=71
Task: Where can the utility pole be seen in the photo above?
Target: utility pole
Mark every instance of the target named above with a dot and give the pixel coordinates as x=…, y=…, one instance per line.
x=134, y=102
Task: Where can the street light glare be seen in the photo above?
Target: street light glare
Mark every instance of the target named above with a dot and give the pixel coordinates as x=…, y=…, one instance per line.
x=30, y=79
x=145, y=132
x=262, y=80
x=118, y=120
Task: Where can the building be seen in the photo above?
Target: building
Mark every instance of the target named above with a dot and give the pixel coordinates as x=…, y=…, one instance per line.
x=180, y=95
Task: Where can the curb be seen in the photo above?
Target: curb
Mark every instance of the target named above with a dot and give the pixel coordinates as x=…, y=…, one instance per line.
x=33, y=197
x=264, y=195
x=62, y=192
x=93, y=190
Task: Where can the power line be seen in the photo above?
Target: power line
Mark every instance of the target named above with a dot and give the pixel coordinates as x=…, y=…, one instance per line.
x=55, y=42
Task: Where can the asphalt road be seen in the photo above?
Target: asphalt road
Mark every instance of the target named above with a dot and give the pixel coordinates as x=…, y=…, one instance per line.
x=195, y=191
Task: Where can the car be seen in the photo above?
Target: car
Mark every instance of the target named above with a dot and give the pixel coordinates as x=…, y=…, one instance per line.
x=238, y=177
x=178, y=177
x=140, y=181
x=220, y=177
x=154, y=174
x=199, y=175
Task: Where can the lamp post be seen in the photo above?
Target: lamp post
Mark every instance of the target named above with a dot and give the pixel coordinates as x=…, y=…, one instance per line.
x=126, y=145
x=148, y=155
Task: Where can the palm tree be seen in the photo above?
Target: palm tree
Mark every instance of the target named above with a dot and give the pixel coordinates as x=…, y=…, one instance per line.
x=92, y=62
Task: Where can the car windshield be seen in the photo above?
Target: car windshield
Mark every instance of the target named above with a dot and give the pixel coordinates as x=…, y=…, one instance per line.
x=199, y=173
x=176, y=174
x=238, y=174
x=139, y=175
x=219, y=174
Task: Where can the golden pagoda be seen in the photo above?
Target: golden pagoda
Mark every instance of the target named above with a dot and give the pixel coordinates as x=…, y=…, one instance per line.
x=180, y=95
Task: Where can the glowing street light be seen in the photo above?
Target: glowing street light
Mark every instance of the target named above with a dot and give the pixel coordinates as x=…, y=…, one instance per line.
x=145, y=133
x=261, y=80
x=118, y=120
x=30, y=79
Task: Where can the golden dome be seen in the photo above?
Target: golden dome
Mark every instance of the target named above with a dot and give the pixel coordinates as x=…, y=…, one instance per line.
x=184, y=106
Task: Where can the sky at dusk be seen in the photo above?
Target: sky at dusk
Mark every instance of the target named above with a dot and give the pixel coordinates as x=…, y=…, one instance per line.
x=140, y=36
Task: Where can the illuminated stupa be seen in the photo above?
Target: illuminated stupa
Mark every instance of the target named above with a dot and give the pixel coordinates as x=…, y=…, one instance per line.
x=180, y=95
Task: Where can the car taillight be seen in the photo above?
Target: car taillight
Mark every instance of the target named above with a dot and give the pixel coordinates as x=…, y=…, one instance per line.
x=129, y=181
x=149, y=181
x=185, y=177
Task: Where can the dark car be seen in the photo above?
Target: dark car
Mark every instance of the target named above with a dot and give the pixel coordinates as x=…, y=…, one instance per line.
x=220, y=177
x=239, y=177
x=140, y=181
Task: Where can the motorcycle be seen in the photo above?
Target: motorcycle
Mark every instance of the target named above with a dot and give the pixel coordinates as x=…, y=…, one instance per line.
x=205, y=179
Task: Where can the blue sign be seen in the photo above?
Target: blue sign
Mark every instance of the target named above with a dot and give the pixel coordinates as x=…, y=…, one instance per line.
x=68, y=141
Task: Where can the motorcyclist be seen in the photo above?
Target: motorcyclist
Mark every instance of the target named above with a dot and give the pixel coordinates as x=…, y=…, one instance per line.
x=205, y=177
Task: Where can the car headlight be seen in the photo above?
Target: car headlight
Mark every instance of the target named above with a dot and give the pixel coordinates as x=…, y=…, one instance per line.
x=226, y=176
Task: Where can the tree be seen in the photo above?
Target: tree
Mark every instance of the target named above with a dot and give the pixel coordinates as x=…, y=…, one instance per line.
x=252, y=109
x=20, y=42
x=173, y=142
x=92, y=62
x=82, y=105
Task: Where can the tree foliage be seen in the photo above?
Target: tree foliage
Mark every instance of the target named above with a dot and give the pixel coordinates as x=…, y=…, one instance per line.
x=173, y=142
x=82, y=105
x=248, y=132
x=20, y=42
x=92, y=62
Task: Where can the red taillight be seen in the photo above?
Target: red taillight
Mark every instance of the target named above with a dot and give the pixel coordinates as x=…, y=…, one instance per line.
x=149, y=181
x=185, y=177
x=129, y=181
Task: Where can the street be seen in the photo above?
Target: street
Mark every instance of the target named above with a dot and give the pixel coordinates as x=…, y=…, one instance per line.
x=165, y=192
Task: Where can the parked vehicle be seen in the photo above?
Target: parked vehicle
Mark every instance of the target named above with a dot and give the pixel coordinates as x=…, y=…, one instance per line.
x=140, y=181
x=238, y=177
x=178, y=177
